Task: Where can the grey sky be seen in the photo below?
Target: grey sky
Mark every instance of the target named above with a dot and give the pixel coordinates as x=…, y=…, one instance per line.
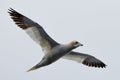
x=96, y=24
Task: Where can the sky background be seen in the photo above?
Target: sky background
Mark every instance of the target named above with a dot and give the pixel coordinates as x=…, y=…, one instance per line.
x=96, y=24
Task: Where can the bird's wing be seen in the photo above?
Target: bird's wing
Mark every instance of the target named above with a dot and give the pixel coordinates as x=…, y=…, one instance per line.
x=85, y=59
x=33, y=29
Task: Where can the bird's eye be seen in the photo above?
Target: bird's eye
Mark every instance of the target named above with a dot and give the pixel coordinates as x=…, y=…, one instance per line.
x=76, y=42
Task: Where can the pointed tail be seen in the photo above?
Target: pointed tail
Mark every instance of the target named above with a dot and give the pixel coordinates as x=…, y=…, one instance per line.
x=35, y=67
x=31, y=69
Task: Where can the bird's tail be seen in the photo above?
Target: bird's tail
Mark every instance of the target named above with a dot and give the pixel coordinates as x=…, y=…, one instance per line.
x=31, y=69
x=42, y=63
x=35, y=67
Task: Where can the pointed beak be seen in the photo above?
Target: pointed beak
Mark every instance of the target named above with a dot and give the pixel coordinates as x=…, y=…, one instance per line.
x=80, y=44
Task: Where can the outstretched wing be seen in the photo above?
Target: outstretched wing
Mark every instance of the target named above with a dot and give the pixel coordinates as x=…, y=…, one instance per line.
x=85, y=59
x=34, y=30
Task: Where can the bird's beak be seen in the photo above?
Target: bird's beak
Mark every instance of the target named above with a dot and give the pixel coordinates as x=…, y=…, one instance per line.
x=80, y=44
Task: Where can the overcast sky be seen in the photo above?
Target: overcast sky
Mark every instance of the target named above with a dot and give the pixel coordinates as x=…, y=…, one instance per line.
x=96, y=24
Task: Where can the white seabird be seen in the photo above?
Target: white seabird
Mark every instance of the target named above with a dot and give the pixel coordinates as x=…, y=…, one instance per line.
x=52, y=50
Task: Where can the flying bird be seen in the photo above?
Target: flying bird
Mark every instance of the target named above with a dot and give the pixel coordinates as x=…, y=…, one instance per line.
x=52, y=49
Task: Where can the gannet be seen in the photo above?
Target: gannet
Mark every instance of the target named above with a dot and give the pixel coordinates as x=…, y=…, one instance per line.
x=52, y=49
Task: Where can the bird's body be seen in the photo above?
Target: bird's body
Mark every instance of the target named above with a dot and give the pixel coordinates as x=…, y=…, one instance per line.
x=56, y=53
x=52, y=50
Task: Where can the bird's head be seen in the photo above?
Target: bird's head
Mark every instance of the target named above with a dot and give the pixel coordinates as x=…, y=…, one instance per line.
x=75, y=44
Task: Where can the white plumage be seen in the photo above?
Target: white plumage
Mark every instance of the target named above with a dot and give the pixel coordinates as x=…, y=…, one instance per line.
x=52, y=50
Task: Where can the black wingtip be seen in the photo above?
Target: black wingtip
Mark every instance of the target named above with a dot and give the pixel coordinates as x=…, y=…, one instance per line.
x=93, y=62
x=10, y=10
x=17, y=18
x=96, y=65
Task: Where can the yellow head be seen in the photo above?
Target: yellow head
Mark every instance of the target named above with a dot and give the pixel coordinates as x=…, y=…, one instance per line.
x=75, y=44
